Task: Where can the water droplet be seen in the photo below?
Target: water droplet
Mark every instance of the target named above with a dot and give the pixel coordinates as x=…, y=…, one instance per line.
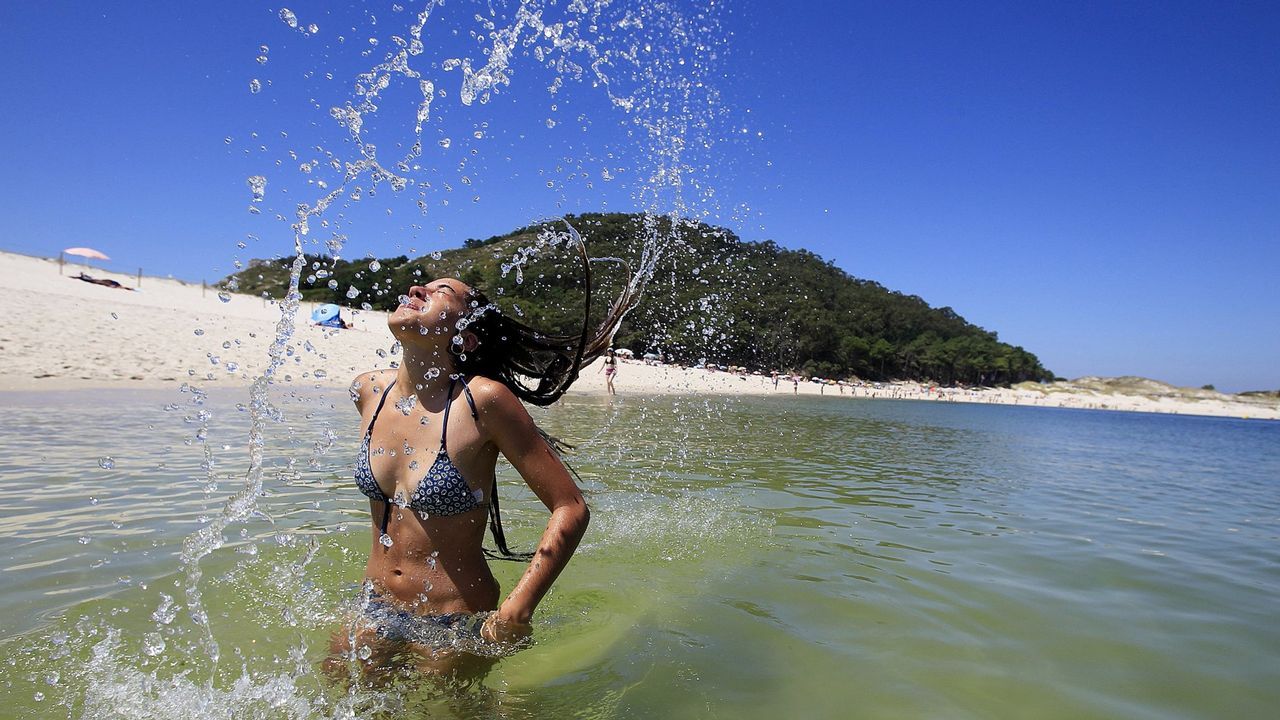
x=115, y=316
x=352, y=293
x=198, y=331
x=385, y=540
x=106, y=462
x=445, y=143
x=406, y=404
x=257, y=186
x=224, y=296
x=288, y=17
x=333, y=284
x=84, y=539
x=375, y=266
x=166, y=612
x=255, y=86
x=152, y=644
x=365, y=652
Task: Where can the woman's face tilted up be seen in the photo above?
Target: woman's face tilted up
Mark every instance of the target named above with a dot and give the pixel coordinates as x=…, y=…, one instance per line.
x=428, y=315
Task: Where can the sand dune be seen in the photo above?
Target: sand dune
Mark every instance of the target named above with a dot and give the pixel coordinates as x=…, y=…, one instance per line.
x=59, y=333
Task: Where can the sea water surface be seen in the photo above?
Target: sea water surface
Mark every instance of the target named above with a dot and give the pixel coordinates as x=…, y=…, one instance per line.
x=747, y=558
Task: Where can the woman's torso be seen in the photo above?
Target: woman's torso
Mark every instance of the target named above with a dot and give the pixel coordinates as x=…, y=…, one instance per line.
x=431, y=559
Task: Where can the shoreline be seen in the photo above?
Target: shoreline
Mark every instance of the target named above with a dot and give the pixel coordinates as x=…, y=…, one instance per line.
x=62, y=334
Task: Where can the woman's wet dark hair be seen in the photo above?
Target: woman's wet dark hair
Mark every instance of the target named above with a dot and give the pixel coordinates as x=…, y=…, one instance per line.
x=538, y=368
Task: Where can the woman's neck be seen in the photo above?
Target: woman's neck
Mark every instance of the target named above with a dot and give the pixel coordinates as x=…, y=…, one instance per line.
x=425, y=371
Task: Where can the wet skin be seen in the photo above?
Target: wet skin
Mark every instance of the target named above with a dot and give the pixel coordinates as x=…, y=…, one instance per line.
x=435, y=564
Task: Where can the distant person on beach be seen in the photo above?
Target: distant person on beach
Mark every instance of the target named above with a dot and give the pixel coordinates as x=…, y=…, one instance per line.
x=106, y=282
x=433, y=429
x=610, y=366
x=329, y=315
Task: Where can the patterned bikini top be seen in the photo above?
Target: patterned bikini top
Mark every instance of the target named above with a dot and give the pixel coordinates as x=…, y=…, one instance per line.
x=442, y=491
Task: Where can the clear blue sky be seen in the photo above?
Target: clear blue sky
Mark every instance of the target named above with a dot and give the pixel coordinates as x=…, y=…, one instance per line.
x=1098, y=182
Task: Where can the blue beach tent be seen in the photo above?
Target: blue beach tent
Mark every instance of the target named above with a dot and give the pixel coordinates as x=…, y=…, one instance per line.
x=328, y=315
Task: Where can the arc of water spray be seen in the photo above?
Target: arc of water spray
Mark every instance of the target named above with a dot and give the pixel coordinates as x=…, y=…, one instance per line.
x=476, y=84
x=241, y=505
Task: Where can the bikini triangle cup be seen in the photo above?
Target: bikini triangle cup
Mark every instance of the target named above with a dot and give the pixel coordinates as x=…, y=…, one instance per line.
x=442, y=490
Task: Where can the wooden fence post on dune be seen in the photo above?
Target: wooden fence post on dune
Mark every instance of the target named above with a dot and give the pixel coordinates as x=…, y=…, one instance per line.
x=203, y=287
x=139, y=277
x=62, y=260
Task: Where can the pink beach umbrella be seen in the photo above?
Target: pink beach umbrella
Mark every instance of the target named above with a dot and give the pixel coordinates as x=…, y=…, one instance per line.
x=82, y=252
x=86, y=252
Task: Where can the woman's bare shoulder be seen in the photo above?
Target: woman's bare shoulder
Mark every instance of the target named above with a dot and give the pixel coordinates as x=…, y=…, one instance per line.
x=492, y=395
x=368, y=384
x=495, y=401
x=502, y=417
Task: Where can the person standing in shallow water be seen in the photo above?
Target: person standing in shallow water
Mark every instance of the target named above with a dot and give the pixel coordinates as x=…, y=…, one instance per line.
x=610, y=367
x=433, y=429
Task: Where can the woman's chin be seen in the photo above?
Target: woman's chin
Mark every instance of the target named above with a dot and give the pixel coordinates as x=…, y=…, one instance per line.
x=403, y=323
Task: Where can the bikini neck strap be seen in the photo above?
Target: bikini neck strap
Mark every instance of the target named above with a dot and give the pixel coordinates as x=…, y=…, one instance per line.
x=381, y=401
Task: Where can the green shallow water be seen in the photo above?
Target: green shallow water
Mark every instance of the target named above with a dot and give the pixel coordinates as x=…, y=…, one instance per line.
x=747, y=558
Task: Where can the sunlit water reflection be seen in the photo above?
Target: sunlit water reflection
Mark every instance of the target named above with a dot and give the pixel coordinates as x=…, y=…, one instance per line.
x=754, y=558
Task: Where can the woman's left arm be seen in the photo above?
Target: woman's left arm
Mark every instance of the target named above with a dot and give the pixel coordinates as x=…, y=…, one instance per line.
x=510, y=428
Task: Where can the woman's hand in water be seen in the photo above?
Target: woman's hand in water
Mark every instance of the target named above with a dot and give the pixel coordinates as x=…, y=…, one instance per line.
x=498, y=629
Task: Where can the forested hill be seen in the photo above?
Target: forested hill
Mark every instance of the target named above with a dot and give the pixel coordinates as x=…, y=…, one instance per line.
x=712, y=297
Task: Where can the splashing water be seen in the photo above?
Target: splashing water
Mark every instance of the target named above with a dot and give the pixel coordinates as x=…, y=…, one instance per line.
x=649, y=63
x=406, y=404
x=258, y=186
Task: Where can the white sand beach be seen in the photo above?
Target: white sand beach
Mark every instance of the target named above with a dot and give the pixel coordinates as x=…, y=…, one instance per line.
x=60, y=333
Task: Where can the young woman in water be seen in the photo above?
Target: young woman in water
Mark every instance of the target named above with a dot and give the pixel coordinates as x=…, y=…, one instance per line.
x=433, y=429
